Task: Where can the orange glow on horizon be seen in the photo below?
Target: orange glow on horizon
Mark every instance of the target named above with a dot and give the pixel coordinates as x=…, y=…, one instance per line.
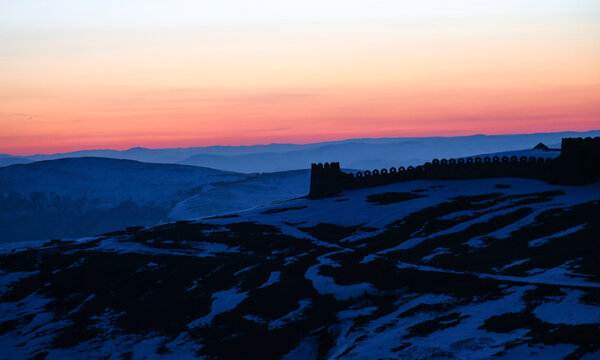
x=297, y=83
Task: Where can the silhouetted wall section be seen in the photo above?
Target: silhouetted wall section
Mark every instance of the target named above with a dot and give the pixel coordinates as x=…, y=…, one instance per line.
x=326, y=180
x=578, y=164
x=579, y=161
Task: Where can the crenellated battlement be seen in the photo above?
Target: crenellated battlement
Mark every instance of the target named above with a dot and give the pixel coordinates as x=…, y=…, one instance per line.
x=326, y=180
x=573, y=148
x=579, y=163
x=592, y=143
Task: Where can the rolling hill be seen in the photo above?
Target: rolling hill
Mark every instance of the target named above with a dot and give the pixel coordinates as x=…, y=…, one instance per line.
x=468, y=269
x=76, y=197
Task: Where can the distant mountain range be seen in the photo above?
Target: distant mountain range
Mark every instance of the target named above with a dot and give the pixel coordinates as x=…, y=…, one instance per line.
x=6, y=160
x=352, y=153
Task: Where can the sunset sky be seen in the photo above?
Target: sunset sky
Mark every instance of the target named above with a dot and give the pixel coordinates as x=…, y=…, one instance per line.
x=82, y=74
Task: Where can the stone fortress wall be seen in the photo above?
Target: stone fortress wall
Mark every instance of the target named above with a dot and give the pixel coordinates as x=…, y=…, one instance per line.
x=578, y=164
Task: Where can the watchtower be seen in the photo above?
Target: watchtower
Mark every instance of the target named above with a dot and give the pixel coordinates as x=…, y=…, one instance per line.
x=325, y=180
x=579, y=161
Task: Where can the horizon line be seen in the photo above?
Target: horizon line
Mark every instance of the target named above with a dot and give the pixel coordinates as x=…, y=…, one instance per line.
x=299, y=143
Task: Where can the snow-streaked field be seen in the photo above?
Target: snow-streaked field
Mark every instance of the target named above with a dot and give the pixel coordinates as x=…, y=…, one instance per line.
x=253, y=190
x=470, y=269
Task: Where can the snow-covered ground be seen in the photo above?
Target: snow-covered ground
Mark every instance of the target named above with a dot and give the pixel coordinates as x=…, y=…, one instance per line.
x=254, y=190
x=499, y=268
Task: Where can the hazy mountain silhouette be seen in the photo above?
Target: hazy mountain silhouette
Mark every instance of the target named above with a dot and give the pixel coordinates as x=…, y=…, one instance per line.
x=352, y=153
x=6, y=160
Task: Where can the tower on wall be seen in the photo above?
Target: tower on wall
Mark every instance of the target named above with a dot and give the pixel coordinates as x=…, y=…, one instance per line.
x=579, y=161
x=325, y=180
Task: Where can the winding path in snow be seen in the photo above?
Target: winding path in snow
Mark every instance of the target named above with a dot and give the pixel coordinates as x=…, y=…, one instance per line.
x=535, y=279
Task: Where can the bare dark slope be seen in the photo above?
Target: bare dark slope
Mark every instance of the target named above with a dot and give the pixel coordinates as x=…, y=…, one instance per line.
x=463, y=270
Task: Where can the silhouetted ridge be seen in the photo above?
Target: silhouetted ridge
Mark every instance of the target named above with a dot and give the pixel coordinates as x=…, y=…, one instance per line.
x=578, y=164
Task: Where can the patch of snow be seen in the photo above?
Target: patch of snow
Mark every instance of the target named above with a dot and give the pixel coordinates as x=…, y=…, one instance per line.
x=504, y=232
x=254, y=318
x=459, y=214
x=273, y=278
x=368, y=258
x=6, y=279
x=77, y=263
x=561, y=275
x=438, y=251
x=290, y=260
x=591, y=356
x=81, y=305
x=475, y=243
x=292, y=316
x=308, y=349
x=222, y=301
x=557, y=276
x=194, y=285
x=326, y=285
x=539, y=352
x=512, y=264
x=244, y=270
x=198, y=249
x=352, y=313
x=568, y=310
x=543, y=240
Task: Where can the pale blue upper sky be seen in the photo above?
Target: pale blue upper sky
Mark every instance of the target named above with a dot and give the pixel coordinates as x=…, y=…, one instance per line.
x=47, y=15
